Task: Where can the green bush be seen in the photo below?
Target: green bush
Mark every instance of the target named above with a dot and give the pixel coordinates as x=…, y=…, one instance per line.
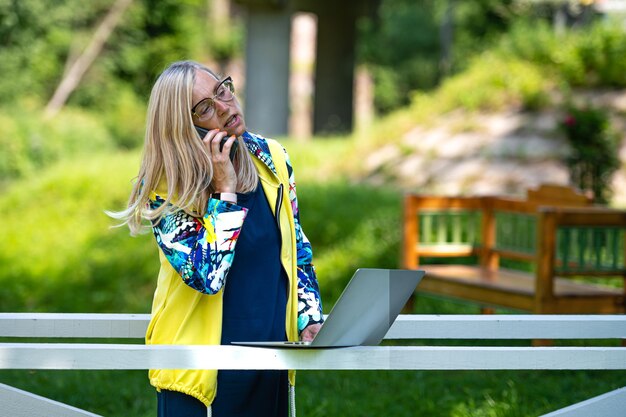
x=490, y=83
x=587, y=57
x=71, y=248
x=59, y=252
x=602, y=51
x=15, y=158
x=350, y=227
x=29, y=142
x=39, y=40
x=125, y=118
x=532, y=41
x=594, y=156
x=412, y=62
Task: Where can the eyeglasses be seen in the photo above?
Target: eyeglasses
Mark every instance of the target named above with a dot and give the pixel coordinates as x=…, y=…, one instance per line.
x=224, y=92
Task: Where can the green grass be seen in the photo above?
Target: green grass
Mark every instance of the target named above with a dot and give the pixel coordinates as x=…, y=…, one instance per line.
x=448, y=393
x=350, y=393
x=60, y=255
x=107, y=393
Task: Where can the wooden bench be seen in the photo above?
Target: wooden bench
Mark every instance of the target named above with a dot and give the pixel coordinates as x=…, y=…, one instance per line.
x=524, y=254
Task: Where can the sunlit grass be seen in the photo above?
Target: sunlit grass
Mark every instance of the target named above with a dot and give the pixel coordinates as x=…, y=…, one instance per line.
x=58, y=254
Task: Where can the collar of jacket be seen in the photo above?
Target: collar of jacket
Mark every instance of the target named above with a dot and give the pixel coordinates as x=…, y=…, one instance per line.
x=258, y=146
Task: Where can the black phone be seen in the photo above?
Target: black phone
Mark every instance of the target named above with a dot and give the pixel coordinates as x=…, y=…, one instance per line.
x=233, y=150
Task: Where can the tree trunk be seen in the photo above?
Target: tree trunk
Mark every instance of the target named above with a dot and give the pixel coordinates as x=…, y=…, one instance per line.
x=78, y=68
x=446, y=34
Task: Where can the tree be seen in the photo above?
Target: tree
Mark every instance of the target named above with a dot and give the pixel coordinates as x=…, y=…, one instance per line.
x=78, y=68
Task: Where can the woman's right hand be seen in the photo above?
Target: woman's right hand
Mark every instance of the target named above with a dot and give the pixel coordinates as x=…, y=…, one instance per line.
x=224, y=176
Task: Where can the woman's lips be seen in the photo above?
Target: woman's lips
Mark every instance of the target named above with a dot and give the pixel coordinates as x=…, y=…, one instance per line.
x=232, y=121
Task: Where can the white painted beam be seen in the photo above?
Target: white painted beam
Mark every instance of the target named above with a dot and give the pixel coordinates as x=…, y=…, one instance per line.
x=111, y=356
x=73, y=325
x=611, y=404
x=405, y=327
x=504, y=326
x=17, y=403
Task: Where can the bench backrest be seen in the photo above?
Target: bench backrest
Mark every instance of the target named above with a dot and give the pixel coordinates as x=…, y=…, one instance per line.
x=512, y=225
x=534, y=231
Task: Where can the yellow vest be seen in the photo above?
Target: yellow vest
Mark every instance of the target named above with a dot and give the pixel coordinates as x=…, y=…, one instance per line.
x=184, y=316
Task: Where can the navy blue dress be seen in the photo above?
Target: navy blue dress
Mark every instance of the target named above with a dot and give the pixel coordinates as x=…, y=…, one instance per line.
x=254, y=309
x=255, y=302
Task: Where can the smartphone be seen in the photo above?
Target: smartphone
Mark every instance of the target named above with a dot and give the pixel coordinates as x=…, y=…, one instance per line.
x=233, y=150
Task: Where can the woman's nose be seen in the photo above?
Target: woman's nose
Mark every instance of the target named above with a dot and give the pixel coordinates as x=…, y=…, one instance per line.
x=220, y=107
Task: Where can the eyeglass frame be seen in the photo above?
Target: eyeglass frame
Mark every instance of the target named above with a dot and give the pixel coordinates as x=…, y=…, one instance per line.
x=231, y=87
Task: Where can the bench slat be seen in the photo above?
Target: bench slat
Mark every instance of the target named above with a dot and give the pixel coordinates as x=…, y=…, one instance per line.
x=511, y=281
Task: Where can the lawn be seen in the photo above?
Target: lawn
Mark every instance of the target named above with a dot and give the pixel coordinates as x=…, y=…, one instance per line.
x=61, y=256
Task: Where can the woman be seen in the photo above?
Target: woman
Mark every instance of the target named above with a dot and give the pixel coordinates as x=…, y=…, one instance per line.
x=235, y=264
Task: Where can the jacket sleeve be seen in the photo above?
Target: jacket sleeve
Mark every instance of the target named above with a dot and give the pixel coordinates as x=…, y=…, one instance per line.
x=201, y=250
x=309, y=299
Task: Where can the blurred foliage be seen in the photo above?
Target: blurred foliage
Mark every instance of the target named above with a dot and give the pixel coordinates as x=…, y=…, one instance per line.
x=30, y=143
x=584, y=53
x=90, y=390
x=363, y=231
x=125, y=119
x=592, y=57
x=412, y=61
x=60, y=254
x=38, y=41
x=415, y=60
x=530, y=68
x=493, y=83
x=594, y=156
x=72, y=249
x=69, y=259
x=35, y=40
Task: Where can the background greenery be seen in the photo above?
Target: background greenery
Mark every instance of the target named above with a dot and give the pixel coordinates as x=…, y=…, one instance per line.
x=57, y=176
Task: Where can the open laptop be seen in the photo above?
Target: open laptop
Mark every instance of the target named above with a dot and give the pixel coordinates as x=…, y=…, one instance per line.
x=364, y=312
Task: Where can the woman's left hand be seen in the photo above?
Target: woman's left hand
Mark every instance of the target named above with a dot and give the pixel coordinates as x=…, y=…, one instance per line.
x=309, y=332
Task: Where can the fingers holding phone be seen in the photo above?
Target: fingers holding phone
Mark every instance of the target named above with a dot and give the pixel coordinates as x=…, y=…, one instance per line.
x=211, y=138
x=205, y=137
x=219, y=146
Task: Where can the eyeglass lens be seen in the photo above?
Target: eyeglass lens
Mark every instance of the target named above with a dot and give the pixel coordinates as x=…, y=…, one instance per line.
x=206, y=108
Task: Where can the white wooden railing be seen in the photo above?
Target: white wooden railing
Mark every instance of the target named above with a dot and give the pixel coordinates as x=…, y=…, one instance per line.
x=132, y=356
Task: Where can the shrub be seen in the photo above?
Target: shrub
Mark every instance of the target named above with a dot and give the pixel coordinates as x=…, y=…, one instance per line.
x=594, y=150
x=30, y=143
x=70, y=260
x=59, y=253
x=350, y=227
x=492, y=83
x=125, y=118
x=14, y=158
x=587, y=57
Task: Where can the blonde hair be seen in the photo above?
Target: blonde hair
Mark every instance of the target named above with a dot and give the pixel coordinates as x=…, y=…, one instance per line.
x=173, y=152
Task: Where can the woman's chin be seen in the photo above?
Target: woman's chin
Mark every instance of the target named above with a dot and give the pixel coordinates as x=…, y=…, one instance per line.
x=238, y=131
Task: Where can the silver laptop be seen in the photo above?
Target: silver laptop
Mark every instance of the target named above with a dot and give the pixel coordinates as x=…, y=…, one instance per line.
x=364, y=312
